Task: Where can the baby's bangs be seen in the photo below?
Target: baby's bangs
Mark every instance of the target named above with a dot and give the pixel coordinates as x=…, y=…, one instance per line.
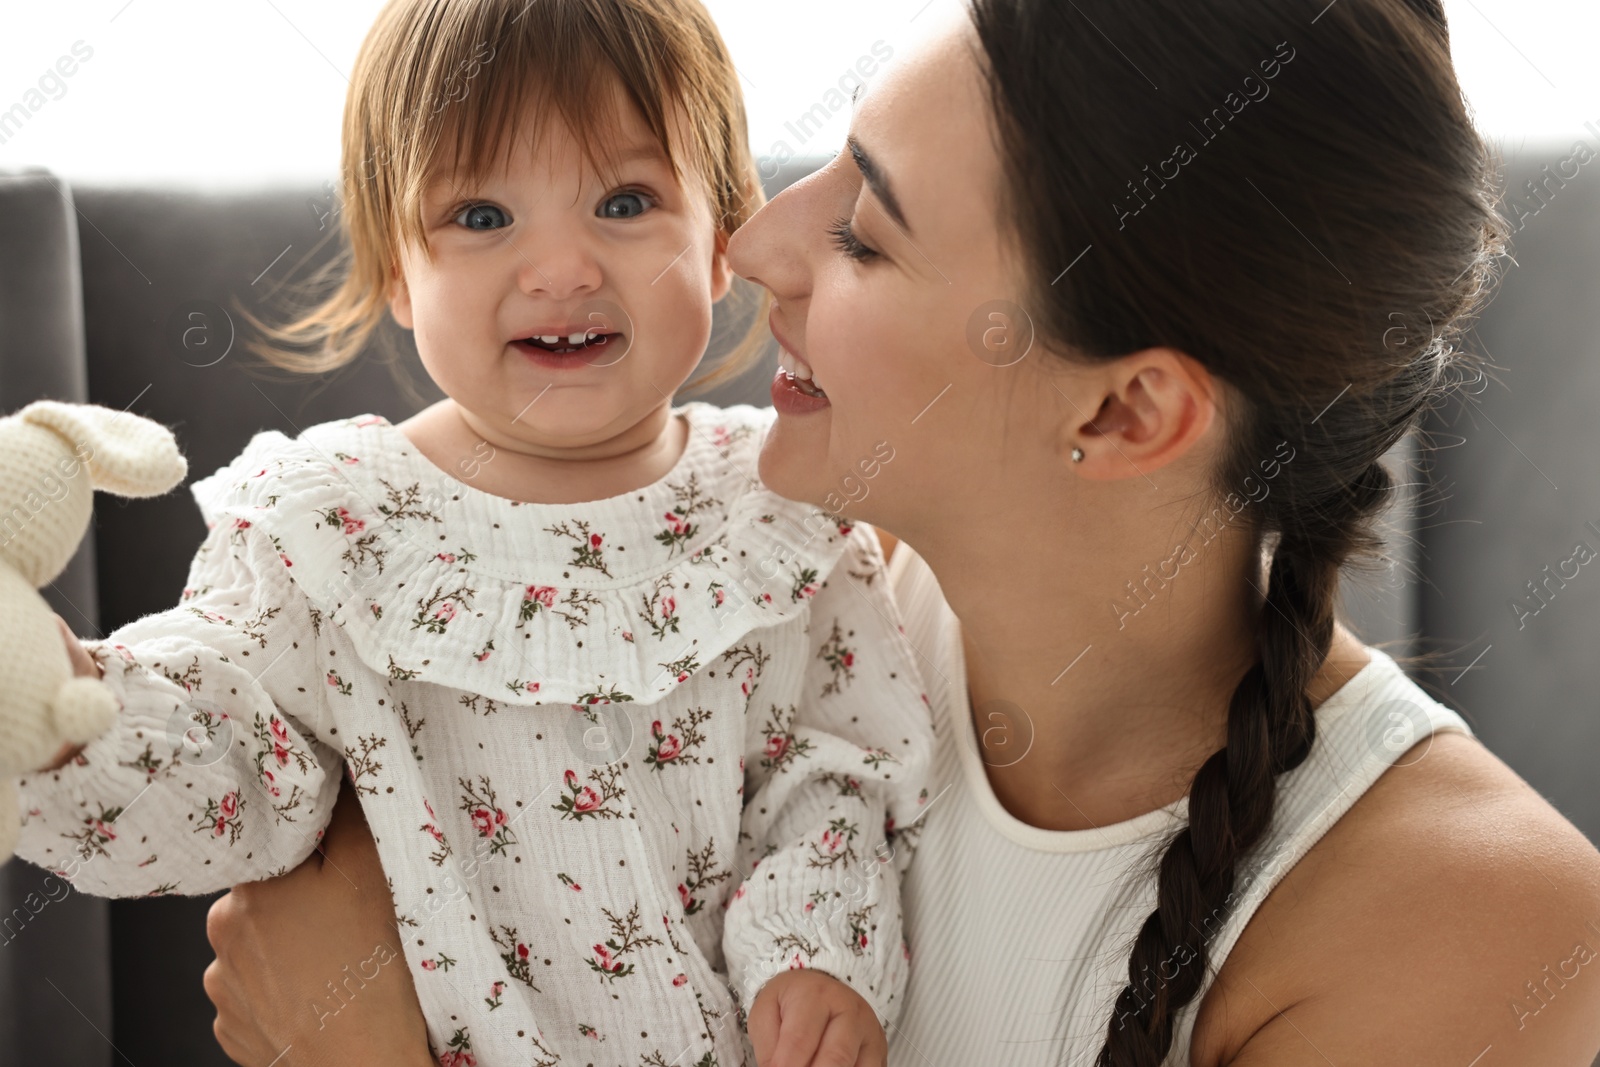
x=504, y=70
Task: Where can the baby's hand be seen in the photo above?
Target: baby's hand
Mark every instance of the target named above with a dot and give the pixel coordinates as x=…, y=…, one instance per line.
x=84, y=666
x=804, y=1018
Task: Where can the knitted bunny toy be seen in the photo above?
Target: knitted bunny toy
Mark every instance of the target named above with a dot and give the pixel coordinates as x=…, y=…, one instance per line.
x=52, y=458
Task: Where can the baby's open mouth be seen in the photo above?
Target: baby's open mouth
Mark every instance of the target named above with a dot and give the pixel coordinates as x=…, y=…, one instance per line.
x=571, y=344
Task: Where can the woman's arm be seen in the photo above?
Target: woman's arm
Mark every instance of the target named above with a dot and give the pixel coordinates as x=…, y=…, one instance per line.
x=281, y=943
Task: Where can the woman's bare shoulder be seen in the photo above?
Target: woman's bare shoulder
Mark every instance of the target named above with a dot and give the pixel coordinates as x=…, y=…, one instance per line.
x=1450, y=911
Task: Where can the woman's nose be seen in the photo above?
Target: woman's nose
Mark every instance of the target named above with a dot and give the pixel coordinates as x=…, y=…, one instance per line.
x=774, y=248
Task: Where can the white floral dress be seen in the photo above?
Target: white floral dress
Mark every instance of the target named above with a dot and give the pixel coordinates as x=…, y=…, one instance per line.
x=623, y=760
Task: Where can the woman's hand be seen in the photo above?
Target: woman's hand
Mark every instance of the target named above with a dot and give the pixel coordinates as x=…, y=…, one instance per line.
x=280, y=943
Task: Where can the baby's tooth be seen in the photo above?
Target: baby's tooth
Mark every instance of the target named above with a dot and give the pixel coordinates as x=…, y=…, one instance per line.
x=578, y=339
x=550, y=340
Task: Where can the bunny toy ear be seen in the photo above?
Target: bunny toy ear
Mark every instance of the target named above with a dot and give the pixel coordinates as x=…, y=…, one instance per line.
x=126, y=454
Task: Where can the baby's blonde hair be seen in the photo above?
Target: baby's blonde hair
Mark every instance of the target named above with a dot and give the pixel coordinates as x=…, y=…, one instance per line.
x=436, y=89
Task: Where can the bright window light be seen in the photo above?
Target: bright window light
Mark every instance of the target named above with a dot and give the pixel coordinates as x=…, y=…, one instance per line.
x=251, y=92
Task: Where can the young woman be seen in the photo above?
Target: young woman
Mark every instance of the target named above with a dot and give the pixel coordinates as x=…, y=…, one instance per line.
x=1139, y=295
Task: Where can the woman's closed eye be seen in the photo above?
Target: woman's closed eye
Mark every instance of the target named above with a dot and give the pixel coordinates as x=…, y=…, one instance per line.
x=846, y=241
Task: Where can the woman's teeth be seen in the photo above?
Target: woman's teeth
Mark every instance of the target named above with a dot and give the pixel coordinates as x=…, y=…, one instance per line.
x=800, y=371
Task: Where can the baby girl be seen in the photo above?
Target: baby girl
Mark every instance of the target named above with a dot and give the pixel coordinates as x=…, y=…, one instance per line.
x=633, y=734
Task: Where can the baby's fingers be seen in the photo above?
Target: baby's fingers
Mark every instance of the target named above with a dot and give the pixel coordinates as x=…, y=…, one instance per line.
x=841, y=1046
x=800, y=1030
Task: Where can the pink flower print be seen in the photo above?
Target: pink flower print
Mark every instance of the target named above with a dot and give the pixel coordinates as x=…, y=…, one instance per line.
x=281, y=753
x=797, y=964
x=429, y=965
x=863, y=941
x=350, y=523
x=677, y=523
x=669, y=605
x=445, y=612
x=483, y=822
x=586, y=800
x=522, y=951
x=570, y=778
x=425, y=804
x=808, y=590
x=374, y=420
x=433, y=832
x=594, y=541
x=333, y=679
x=810, y=905
x=602, y=956
x=668, y=746
x=229, y=805
x=844, y=529
x=831, y=840
x=103, y=830
x=720, y=597
x=241, y=524
x=287, y=562
x=767, y=597
x=279, y=730
x=544, y=594
x=684, y=895
x=481, y=656
x=271, y=781
x=679, y=980
x=220, y=828
x=446, y=557
x=627, y=635
x=777, y=745
x=849, y=659
x=499, y=817
x=532, y=687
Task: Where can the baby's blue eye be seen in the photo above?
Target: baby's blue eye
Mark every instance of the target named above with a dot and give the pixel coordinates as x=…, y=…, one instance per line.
x=482, y=217
x=624, y=206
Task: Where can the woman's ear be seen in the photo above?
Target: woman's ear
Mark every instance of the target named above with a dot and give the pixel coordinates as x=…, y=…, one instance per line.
x=1149, y=410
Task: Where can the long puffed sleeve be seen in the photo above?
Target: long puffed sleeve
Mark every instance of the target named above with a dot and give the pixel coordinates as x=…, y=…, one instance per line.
x=828, y=778
x=213, y=773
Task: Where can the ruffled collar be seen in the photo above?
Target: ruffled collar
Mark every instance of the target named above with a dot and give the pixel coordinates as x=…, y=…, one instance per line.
x=617, y=599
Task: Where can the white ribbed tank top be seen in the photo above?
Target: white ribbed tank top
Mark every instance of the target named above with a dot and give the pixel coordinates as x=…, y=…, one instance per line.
x=1019, y=936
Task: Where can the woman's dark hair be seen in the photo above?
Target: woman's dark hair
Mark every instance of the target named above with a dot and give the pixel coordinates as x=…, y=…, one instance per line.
x=1291, y=192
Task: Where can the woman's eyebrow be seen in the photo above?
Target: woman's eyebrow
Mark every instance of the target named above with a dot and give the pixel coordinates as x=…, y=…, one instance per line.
x=878, y=182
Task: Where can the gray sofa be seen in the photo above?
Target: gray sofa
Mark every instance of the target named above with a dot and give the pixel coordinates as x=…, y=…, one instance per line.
x=100, y=284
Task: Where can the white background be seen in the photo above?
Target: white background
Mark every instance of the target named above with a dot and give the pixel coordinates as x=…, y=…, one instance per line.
x=248, y=92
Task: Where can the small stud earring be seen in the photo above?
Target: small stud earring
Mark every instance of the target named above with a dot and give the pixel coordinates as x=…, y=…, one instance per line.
x=1077, y=455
